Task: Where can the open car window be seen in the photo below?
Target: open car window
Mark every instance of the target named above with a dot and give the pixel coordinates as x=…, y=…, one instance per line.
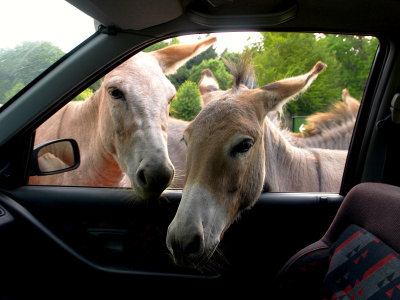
x=131, y=127
x=27, y=51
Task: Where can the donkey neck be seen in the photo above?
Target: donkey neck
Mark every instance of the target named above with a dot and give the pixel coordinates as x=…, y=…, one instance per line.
x=286, y=166
x=98, y=166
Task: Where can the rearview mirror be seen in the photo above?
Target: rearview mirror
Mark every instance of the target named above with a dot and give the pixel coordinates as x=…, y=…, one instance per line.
x=55, y=157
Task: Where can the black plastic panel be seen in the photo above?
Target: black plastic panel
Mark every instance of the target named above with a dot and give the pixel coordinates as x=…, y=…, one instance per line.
x=108, y=234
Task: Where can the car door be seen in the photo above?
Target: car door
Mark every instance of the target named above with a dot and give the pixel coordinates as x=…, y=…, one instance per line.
x=98, y=242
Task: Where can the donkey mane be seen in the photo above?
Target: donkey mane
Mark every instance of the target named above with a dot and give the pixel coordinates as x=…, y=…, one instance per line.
x=341, y=113
x=242, y=71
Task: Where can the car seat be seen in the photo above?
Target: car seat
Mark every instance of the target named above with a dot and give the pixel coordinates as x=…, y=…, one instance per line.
x=357, y=258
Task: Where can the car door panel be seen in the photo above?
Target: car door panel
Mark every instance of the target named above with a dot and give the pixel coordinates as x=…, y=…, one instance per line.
x=94, y=235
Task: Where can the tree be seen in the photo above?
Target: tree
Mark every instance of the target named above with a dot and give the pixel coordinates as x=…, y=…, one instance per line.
x=11, y=93
x=282, y=55
x=219, y=69
x=355, y=54
x=84, y=95
x=187, y=104
x=24, y=63
x=210, y=53
x=230, y=56
x=184, y=72
x=161, y=45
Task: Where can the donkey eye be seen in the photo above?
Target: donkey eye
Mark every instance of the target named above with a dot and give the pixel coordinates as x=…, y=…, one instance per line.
x=184, y=139
x=242, y=147
x=117, y=94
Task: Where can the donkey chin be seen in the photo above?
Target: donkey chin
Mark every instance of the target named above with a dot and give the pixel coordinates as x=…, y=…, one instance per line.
x=192, y=258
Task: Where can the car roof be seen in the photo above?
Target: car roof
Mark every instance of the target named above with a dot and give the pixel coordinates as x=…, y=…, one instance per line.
x=356, y=16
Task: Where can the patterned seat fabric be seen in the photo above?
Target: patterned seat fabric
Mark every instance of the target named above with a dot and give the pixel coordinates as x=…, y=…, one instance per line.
x=357, y=258
x=361, y=267
x=305, y=276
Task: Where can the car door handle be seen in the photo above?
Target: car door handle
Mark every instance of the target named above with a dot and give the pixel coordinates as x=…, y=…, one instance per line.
x=107, y=239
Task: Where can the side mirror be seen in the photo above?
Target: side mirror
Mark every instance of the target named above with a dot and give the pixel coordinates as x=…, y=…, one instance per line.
x=55, y=157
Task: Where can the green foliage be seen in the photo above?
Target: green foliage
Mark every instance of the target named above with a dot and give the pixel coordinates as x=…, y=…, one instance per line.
x=20, y=65
x=349, y=58
x=230, y=56
x=285, y=55
x=277, y=56
x=11, y=93
x=219, y=69
x=198, y=59
x=185, y=72
x=187, y=104
x=181, y=75
x=84, y=95
x=161, y=45
x=355, y=55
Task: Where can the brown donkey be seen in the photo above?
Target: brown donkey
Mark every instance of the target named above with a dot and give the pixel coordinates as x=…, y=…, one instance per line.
x=233, y=153
x=122, y=128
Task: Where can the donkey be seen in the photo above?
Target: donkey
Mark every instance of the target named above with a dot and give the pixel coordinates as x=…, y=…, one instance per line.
x=177, y=150
x=341, y=112
x=336, y=137
x=122, y=128
x=332, y=129
x=233, y=154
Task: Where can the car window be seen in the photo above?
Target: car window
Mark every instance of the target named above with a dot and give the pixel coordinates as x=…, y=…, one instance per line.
x=28, y=50
x=303, y=140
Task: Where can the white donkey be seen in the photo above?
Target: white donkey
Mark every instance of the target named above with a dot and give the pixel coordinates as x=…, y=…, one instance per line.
x=122, y=128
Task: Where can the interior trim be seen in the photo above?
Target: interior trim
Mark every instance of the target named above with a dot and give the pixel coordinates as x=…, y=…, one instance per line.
x=18, y=210
x=233, y=21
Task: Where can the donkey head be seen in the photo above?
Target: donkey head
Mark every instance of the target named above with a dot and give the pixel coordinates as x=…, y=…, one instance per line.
x=136, y=102
x=225, y=164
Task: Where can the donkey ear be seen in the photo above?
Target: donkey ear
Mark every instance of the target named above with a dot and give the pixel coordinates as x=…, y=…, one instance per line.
x=277, y=94
x=172, y=57
x=352, y=103
x=208, y=82
x=345, y=95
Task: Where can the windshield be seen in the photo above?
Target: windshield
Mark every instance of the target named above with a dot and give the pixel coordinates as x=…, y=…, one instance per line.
x=34, y=35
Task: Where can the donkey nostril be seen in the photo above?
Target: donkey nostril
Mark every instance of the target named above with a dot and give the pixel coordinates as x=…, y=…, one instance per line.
x=194, y=245
x=142, y=177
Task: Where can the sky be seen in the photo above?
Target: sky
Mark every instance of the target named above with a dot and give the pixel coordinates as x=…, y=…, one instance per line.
x=55, y=21
x=35, y=20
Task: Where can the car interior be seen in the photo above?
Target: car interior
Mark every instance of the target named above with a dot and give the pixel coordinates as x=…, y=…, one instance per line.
x=102, y=242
